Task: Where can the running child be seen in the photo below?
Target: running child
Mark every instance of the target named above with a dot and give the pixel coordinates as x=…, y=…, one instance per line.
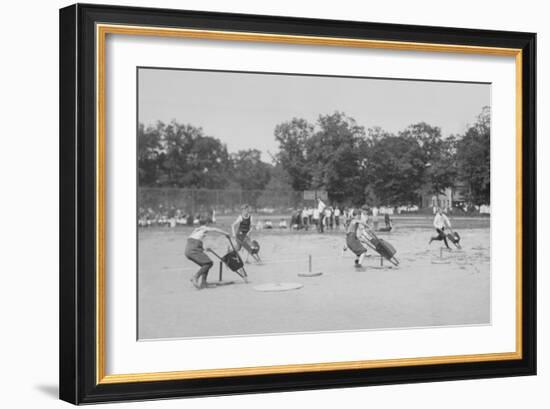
x=194, y=251
x=441, y=221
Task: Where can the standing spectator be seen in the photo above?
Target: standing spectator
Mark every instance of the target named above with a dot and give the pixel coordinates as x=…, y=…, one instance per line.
x=321, y=211
x=329, y=217
x=375, y=218
x=315, y=216
x=337, y=217
x=365, y=215
x=305, y=218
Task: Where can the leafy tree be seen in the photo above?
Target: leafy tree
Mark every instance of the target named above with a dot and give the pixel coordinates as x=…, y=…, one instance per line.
x=277, y=190
x=334, y=157
x=292, y=137
x=149, y=149
x=438, y=156
x=250, y=172
x=395, y=168
x=335, y=154
x=473, y=157
x=191, y=159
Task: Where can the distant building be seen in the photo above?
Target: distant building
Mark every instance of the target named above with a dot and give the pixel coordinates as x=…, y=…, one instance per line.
x=443, y=200
x=460, y=193
x=451, y=198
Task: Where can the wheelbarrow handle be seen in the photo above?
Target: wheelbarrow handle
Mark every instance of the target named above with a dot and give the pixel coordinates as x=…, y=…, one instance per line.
x=213, y=252
x=231, y=242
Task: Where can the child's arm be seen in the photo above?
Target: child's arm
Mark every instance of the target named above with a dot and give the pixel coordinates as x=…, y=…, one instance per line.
x=365, y=226
x=235, y=223
x=448, y=223
x=251, y=227
x=216, y=230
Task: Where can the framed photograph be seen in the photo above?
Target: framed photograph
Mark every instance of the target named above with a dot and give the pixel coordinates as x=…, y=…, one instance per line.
x=258, y=203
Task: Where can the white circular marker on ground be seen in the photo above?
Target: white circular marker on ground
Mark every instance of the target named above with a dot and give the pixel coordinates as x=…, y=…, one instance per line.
x=278, y=287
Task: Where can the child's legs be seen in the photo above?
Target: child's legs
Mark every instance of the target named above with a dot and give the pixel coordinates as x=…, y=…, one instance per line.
x=440, y=235
x=194, y=252
x=243, y=241
x=203, y=271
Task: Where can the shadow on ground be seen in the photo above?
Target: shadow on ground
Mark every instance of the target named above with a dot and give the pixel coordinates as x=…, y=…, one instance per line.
x=50, y=390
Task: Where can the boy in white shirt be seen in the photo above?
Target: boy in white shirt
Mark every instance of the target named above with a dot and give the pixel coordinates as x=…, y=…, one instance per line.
x=315, y=216
x=441, y=221
x=337, y=216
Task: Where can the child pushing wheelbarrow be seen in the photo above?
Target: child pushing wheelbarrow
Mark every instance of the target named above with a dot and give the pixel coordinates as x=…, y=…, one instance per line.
x=194, y=251
x=442, y=223
x=360, y=236
x=381, y=246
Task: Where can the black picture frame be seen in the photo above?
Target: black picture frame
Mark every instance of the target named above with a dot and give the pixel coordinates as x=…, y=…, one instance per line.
x=78, y=236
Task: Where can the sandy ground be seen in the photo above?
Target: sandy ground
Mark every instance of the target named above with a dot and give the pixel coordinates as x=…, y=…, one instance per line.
x=425, y=290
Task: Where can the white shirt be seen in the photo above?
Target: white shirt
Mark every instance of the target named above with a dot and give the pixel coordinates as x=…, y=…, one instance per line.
x=440, y=221
x=198, y=233
x=321, y=206
x=337, y=212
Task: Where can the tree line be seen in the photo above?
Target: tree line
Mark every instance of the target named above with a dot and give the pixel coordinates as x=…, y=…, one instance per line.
x=355, y=165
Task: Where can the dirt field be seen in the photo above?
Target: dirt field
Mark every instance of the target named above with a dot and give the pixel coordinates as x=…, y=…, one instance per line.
x=425, y=290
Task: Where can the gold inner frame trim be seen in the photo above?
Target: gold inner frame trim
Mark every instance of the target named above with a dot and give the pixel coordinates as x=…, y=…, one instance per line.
x=101, y=33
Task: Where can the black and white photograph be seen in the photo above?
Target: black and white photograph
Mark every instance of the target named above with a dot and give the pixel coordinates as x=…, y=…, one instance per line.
x=282, y=203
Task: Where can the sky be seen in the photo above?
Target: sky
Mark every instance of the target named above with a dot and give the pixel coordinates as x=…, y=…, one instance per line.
x=242, y=109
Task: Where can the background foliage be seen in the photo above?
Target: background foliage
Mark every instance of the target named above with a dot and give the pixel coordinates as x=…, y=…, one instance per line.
x=335, y=154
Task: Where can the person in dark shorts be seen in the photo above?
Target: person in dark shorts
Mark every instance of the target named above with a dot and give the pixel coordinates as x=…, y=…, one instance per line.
x=194, y=251
x=441, y=221
x=321, y=206
x=352, y=241
x=241, y=228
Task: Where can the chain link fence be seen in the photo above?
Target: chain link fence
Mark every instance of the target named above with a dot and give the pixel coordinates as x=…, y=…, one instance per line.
x=193, y=201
